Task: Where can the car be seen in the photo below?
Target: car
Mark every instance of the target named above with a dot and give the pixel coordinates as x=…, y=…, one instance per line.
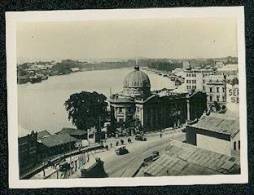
x=155, y=155
x=121, y=150
x=152, y=157
x=140, y=138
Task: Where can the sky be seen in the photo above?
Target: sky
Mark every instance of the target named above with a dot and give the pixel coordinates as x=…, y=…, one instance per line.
x=148, y=38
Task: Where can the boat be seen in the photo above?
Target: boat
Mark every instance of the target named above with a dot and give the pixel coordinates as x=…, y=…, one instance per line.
x=23, y=79
x=35, y=79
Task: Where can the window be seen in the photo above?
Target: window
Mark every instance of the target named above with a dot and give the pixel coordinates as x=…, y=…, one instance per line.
x=203, y=81
x=120, y=110
x=234, y=145
x=211, y=89
x=239, y=145
x=193, y=87
x=193, y=75
x=218, y=98
x=193, y=81
x=237, y=100
x=211, y=98
x=218, y=89
x=223, y=89
x=223, y=98
x=203, y=88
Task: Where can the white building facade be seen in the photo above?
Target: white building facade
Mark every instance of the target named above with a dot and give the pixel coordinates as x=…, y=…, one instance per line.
x=215, y=88
x=195, y=79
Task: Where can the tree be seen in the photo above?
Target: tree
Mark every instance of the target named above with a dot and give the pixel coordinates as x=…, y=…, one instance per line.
x=87, y=109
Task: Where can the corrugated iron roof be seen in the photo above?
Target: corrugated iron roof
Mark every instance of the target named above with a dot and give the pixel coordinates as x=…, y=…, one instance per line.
x=43, y=134
x=185, y=159
x=218, y=124
x=72, y=131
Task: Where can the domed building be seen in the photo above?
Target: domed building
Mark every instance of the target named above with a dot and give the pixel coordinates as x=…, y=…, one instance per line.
x=137, y=84
x=154, y=109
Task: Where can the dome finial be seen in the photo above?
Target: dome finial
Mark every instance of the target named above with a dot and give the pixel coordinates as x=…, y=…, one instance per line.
x=136, y=65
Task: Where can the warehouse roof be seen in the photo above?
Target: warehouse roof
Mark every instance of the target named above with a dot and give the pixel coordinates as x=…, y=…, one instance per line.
x=43, y=134
x=185, y=159
x=72, y=131
x=57, y=139
x=218, y=123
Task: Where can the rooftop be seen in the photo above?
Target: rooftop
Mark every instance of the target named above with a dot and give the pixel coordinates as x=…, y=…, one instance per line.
x=193, y=70
x=120, y=98
x=185, y=159
x=43, y=134
x=214, y=77
x=57, y=139
x=72, y=131
x=229, y=67
x=219, y=123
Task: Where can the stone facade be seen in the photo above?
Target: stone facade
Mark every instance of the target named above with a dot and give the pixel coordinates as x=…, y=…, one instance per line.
x=152, y=109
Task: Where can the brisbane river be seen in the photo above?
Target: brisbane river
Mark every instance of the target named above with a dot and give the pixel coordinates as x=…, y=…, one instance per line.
x=41, y=105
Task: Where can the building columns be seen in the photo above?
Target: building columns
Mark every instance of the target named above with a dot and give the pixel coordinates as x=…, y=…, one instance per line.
x=188, y=110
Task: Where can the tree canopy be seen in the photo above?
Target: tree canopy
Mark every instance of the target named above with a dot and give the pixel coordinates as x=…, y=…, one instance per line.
x=87, y=109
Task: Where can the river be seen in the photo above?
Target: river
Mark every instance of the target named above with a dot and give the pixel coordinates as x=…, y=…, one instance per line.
x=41, y=105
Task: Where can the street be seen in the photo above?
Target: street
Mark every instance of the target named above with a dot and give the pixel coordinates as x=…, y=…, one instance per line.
x=122, y=165
x=126, y=165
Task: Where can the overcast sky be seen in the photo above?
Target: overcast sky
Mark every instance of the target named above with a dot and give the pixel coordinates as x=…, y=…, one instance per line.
x=171, y=38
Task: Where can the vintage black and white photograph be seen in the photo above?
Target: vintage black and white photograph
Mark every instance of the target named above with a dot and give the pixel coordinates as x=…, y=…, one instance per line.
x=127, y=94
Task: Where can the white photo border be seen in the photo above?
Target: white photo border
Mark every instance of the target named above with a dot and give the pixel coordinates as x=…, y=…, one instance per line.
x=120, y=14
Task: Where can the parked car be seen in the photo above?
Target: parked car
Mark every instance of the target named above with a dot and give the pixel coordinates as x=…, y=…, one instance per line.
x=155, y=155
x=120, y=150
x=152, y=157
x=140, y=138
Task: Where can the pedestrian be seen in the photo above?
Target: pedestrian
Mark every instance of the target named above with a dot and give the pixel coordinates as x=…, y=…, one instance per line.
x=117, y=143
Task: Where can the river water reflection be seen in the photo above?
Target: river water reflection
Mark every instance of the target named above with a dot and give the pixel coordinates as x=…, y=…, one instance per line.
x=41, y=105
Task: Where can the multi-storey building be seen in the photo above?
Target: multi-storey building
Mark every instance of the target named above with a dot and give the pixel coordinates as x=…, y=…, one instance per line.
x=228, y=70
x=28, y=152
x=215, y=88
x=195, y=79
x=233, y=95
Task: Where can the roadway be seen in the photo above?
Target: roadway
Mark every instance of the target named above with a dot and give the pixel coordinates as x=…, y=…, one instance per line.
x=126, y=165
